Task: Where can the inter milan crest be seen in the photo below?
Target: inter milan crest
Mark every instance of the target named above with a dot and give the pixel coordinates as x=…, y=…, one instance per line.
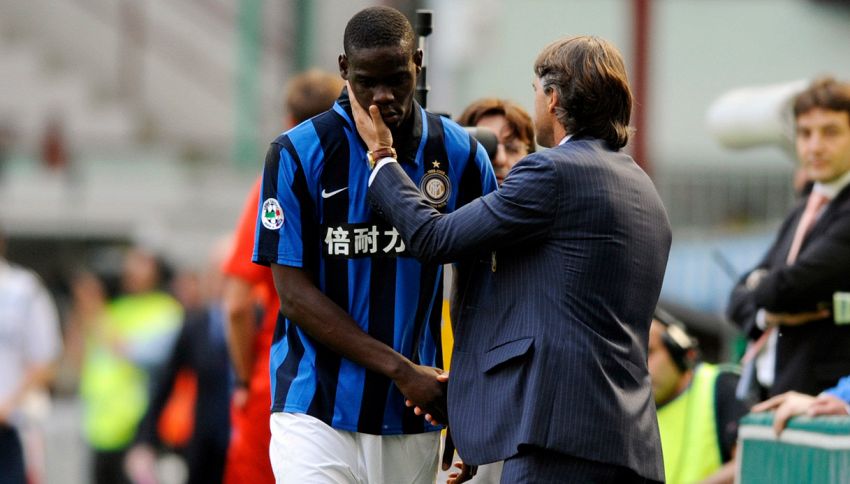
x=435, y=186
x=272, y=214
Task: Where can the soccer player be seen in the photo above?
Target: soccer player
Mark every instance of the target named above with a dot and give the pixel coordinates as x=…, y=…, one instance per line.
x=362, y=318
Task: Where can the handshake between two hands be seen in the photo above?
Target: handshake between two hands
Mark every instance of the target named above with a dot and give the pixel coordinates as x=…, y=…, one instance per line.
x=435, y=412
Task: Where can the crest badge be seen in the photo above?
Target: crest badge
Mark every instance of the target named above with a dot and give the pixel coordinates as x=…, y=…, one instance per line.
x=272, y=214
x=435, y=186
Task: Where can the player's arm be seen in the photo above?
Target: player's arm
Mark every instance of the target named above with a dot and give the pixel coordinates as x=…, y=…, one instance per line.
x=242, y=327
x=316, y=314
x=238, y=298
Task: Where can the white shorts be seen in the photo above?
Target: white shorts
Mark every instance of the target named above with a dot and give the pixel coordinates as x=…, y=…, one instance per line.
x=305, y=449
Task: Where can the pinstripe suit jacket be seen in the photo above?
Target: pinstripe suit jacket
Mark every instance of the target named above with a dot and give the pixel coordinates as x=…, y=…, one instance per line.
x=551, y=334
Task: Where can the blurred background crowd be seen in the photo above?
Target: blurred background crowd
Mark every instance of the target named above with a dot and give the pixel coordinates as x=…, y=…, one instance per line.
x=131, y=132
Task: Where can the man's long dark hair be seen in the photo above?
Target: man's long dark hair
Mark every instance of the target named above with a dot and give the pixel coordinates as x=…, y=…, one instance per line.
x=593, y=89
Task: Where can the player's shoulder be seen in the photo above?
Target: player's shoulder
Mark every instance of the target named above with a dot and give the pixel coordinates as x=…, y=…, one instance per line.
x=448, y=125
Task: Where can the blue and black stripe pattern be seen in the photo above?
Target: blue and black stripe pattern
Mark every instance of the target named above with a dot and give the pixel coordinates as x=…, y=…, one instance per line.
x=317, y=172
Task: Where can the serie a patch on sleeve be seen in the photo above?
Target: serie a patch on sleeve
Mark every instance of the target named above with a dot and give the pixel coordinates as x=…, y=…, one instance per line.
x=272, y=216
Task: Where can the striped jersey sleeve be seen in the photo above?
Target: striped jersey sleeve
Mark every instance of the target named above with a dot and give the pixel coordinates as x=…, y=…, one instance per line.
x=286, y=215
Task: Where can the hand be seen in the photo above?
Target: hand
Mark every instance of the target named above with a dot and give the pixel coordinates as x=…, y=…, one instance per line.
x=787, y=405
x=442, y=378
x=826, y=404
x=140, y=464
x=754, y=278
x=370, y=125
x=240, y=397
x=794, y=319
x=422, y=388
x=466, y=473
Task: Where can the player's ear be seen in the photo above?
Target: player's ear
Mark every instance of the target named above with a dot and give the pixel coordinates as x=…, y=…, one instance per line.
x=343, y=66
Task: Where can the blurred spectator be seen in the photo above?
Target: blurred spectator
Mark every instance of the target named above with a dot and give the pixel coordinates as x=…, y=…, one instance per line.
x=201, y=349
x=783, y=305
x=513, y=128
x=832, y=401
x=54, y=146
x=307, y=95
x=30, y=344
x=125, y=347
x=697, y=410
x=7, y=136
x=186, y=288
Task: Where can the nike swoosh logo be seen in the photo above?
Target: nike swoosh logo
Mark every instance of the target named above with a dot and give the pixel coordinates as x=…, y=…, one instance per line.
x=326, y=194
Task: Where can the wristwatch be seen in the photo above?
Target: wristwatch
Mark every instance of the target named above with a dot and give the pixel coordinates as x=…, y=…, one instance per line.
x=380, y=154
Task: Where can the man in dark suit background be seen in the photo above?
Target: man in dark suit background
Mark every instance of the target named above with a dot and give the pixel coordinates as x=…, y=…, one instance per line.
x=564, y=266
x=784, y=304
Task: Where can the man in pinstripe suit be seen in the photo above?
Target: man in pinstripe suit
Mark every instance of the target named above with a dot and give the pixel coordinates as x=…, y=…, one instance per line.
x=564, y=266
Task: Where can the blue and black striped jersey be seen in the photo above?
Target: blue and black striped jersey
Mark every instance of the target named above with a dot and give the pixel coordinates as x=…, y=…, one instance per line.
x=314, y=214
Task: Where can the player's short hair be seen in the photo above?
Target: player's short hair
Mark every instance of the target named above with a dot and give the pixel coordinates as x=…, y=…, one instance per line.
x=378, y=27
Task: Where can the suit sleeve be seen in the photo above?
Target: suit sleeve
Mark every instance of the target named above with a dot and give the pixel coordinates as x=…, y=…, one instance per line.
x=521, y=210
x=822, y=266
x=742, y=307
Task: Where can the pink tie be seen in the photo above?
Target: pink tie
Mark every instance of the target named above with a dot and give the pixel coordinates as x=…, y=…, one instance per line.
x=814, y=205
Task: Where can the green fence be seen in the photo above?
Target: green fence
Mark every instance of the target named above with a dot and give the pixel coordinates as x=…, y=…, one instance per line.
x=810, y=450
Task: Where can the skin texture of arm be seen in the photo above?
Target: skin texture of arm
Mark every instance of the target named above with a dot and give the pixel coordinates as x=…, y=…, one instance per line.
x=242, y=324
x=37, y=376
x=304, y=304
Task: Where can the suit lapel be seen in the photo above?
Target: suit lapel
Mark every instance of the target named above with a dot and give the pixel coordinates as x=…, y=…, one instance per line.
x=826, y=219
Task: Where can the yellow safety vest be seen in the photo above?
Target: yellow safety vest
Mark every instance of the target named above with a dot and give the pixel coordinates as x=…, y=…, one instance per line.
x=689, y=430
x=113, y=387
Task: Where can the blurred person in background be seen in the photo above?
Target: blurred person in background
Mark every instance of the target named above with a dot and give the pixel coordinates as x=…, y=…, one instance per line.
x=515, y=134
x=7, y=141
x=246, y=284
x=55, y=153
x=513, y=128
x=30, y=345
x=362, y=327
x=125, y=348
x=697, y=410
x=200, y=353
x=832, y=401
x=784, y=304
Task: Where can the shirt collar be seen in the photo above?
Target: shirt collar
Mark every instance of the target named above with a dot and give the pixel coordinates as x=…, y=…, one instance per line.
x=831, y=189
x=566, y=138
